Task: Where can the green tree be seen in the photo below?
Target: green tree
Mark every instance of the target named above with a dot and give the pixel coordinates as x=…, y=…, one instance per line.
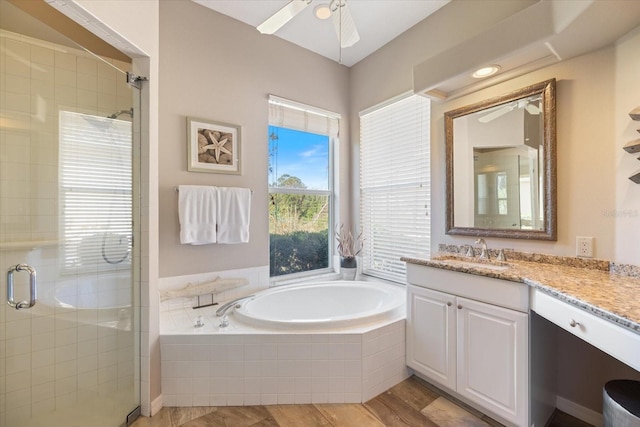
x=298, y=229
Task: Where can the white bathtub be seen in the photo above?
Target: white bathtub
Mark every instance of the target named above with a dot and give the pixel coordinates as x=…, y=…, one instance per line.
x=329, y=342
x=324, y=305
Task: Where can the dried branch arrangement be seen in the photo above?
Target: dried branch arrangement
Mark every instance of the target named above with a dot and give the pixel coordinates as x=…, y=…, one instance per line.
x=348, y=246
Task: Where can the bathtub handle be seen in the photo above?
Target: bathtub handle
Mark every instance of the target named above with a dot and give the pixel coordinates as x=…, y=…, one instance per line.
x=18, y=305
x=223, y=310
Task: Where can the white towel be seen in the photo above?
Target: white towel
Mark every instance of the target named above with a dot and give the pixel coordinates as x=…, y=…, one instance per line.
x=197, y=213
x=234, y=207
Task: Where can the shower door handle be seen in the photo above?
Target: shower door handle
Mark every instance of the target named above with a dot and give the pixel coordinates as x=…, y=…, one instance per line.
x=18, y=305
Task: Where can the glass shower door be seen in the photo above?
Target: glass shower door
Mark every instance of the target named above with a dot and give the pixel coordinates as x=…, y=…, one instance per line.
x=69, y=345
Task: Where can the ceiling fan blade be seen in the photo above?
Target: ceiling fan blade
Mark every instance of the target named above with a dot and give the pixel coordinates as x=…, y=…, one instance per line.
x=284, y=15
x=532, y=109
x=340, y=12
x=499, y=112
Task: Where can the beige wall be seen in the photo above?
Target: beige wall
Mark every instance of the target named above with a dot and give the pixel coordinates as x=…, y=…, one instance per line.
x=595, y=92
x=595, y=198
x=217, y=68
x=388, y=72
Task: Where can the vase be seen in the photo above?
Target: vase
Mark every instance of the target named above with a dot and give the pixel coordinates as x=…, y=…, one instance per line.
x=348, y=268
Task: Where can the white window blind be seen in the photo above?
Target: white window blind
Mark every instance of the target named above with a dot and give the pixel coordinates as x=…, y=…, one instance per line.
x=293, y=115
x=395, y=185
x=95, y=192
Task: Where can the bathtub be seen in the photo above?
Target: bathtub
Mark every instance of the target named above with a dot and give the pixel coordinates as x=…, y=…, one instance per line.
x=322, y=306
x=327, y=342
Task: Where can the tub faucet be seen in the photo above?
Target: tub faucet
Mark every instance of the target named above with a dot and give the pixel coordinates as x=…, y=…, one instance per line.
x=222, y=311
x=484, y=254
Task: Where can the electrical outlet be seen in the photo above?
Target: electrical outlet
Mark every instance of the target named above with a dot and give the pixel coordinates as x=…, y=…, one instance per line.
x=584, y=247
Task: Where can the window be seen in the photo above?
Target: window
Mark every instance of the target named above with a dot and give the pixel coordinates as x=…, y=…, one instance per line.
x=95, y=192
x=395, y=185
x=301, y=141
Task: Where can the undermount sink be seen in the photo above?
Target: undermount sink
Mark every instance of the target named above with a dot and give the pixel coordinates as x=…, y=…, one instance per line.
x=474, y=263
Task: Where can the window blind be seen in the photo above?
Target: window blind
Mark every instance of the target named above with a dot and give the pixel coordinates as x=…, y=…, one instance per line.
x=292, y=115
x=395, y=185
x=95, y=192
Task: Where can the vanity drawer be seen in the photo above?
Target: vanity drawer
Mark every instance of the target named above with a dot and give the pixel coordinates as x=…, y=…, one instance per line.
x=613, y=339
x=513, y=295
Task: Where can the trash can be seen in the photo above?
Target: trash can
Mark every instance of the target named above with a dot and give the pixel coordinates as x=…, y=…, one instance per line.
x=621, y=403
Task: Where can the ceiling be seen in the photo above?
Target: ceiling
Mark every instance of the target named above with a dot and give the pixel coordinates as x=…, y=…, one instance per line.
x=378, y=22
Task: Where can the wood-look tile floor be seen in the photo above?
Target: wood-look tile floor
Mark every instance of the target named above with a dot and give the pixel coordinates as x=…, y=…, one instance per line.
x=413, y=402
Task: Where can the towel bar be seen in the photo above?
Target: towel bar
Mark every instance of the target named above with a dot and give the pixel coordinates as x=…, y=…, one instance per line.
x=178, y=190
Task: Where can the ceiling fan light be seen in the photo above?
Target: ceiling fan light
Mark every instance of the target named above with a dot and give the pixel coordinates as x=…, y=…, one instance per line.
x=487, y=71
x=322, y=11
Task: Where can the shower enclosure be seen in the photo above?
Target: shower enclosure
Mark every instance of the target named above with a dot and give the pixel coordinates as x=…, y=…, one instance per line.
x=69, y=317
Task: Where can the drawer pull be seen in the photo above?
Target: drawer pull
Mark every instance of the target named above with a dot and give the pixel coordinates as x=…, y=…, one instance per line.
x=448, y=303
x=573, y=323
x=459, y=306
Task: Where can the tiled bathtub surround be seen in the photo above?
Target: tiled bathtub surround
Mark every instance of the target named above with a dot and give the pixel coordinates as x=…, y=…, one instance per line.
x=242, y=365
x=258, y=278
x=279, y=368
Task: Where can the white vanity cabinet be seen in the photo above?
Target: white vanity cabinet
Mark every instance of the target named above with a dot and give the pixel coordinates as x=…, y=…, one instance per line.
x=469, y=334
x=431, y=335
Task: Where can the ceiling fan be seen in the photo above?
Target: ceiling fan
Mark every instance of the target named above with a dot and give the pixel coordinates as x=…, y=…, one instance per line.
x=531, y=105
x=340, y=15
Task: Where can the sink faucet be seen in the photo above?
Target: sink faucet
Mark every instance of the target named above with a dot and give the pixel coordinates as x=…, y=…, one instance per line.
x=469, y=251
x=484, y=254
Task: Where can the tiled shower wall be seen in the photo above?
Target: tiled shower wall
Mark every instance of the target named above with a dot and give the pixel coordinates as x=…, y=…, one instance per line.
x=52, y=357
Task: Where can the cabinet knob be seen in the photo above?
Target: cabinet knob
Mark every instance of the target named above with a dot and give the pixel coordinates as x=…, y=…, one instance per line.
x=448, y=303
x=573, y=323
x=459, y=306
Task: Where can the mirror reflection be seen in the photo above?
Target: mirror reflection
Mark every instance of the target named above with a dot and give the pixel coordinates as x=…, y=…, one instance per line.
x=499, y=162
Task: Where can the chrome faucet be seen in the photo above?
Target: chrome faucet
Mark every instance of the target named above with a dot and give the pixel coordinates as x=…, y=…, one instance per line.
x=484, y=254
x=223, y=309
x=469, y=251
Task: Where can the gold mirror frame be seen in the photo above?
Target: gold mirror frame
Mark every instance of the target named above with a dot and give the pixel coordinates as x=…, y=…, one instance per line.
x=547, y=90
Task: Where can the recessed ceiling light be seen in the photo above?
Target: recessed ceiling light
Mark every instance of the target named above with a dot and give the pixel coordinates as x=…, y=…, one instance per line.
x=322, y=11
x=486, y=71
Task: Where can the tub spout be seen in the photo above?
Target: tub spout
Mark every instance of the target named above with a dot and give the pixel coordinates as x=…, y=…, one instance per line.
x=223, y=310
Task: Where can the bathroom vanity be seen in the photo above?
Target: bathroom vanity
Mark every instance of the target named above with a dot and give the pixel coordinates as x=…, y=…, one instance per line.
x=470, y=334
x=469, y=327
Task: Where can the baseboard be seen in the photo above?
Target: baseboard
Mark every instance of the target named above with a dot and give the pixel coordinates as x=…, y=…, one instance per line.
x=156, y=405
x=580, y=412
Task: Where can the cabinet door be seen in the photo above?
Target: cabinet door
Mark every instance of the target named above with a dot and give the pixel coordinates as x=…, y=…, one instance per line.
x=492, y=358
x=431, y=340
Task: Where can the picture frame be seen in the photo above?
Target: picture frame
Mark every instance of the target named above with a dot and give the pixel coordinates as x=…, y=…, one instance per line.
x=212, y=146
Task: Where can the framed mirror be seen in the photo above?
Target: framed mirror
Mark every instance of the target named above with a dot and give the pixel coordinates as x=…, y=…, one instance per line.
x=501, y=166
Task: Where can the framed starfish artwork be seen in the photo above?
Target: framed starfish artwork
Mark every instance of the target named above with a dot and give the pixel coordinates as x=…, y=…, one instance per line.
x=212, y=146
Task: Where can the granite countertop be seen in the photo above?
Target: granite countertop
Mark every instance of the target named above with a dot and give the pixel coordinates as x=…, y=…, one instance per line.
x=604, y=289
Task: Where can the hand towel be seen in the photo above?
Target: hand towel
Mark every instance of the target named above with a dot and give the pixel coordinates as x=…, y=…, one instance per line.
x=197, y=210
x=234, y=207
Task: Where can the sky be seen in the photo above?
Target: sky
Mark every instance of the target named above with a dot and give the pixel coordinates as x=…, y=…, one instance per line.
x=301, y=154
